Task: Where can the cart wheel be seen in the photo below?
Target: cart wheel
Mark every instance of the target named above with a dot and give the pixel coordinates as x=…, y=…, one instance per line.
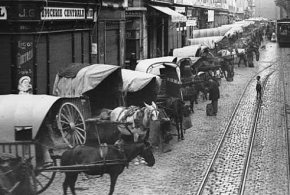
x=71, y=124
x=44, y=179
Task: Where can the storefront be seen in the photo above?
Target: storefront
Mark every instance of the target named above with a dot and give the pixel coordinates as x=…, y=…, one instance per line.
x=165, y=30
x=221, y=17
x=135, y=32
x=38, y=37
x=111, y=32
x=192, y=24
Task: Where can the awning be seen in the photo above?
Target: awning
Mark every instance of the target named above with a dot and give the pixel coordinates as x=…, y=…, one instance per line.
x=175, y=16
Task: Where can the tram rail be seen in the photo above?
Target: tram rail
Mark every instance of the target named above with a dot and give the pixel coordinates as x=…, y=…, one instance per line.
x=228, y=126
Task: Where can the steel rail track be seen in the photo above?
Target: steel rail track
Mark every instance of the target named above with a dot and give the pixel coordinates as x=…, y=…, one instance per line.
x=246, y=166
x=207, y=173
x=251, y=142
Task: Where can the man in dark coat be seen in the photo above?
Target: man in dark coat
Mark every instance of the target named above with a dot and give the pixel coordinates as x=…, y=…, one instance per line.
x=214, y=94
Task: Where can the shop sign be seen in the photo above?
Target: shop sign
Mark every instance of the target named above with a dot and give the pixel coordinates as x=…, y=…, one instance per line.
x=115, y=4
x=90, y=14
x=59, y=13
x=184, y=2
x=3, y=13
x=133, y=14
x=163, y=1
x=180, y=9
x=191, y=22
x=210, y=15
x=24, y=56
x=27, y=13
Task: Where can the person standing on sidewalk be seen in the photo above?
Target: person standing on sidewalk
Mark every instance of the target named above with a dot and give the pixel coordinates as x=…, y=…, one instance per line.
x=214, y=94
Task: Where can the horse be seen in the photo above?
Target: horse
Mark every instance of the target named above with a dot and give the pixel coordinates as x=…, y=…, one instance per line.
x=241, y=54
x=139, y=118
x=121, y=153
x=250, y=57
x=190, y=93
x=15, y=176
x=174, y=109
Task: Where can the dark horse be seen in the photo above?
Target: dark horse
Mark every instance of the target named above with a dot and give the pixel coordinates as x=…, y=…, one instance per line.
x=119, y=153
x=16, y=176
x=191, y=93
x=174, y=109
x=250, y=56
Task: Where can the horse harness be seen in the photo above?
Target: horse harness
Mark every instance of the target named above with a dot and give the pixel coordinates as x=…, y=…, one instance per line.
x=130, y=111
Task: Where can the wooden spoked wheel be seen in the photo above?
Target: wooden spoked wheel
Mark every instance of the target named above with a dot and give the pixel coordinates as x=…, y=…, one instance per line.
x=71, y=124
x=44, y=179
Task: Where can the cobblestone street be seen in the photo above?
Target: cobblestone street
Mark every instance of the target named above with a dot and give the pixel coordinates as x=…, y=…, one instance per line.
x=181, y=171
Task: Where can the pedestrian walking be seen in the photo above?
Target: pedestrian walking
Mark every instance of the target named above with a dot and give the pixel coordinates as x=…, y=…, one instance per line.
x=259, y=88
x=214, y=94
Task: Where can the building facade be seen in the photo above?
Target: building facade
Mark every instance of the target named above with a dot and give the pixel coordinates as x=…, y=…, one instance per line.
x=40, y=36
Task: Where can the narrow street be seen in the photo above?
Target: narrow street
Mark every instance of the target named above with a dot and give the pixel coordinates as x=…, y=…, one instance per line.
x=182, y=170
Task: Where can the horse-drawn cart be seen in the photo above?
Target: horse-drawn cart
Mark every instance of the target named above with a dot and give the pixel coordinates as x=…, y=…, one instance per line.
x=39, y=126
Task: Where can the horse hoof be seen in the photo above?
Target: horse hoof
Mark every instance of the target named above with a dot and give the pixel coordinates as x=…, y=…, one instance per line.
x=182, y=138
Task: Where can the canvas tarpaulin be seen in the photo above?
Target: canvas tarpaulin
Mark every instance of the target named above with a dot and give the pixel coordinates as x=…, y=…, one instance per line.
x=135, y=80
x=206, y=41
x=211, y=32
x=187, y=51
x=86, y=79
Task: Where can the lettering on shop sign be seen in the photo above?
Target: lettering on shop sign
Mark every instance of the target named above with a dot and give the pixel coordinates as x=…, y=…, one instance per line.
x=3, y=13
x=27, y=13
x=58, y=13
x=24, y=71
x=25, y=52
x=90, y=14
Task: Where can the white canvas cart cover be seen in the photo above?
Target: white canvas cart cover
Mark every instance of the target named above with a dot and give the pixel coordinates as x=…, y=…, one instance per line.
x=187, y=51
x=154, y=65
x=135, y=80
x=211, y=32
x=86, y=79
x=143, y=65
x=234, y=30
x=18, y=112
x=206, y=41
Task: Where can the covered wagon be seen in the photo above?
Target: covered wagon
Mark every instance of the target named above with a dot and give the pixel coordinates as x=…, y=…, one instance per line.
x=24, y=123
x=100, y=84
x=140, y=87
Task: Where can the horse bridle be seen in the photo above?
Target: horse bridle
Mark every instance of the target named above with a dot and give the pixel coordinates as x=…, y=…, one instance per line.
x=150, y=113
x=12, y=171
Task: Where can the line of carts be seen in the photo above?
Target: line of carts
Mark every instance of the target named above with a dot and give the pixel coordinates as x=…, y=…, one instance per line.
x=79, y=93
